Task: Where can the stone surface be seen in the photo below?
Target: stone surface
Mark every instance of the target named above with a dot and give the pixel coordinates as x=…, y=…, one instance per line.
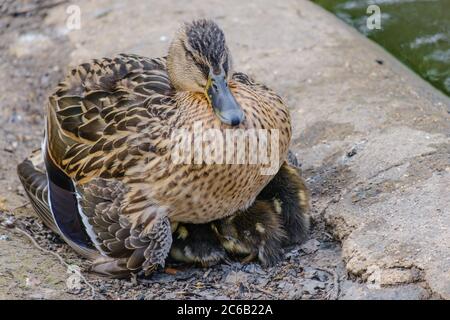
x=373, y=139
x=26, y=272
x=352, y=291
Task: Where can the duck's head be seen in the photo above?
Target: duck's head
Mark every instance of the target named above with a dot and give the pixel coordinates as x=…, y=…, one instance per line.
x=199, y=61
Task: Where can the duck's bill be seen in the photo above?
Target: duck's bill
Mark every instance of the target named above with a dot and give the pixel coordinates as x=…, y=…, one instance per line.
x=223, y=102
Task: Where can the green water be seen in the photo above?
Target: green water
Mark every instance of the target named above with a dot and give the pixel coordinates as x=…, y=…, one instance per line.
x=417, y=32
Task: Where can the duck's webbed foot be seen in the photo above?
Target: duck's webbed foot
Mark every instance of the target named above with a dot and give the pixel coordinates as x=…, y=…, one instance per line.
x=197, y=244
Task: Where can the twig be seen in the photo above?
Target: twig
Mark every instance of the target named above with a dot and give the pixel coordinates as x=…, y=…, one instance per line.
x=187, y=293
x=19, y=207
x=264, y=291
x=61, y=260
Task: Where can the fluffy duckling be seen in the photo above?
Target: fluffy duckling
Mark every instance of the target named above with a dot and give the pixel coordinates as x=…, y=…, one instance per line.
x=253, y=234
x=197, y=244
x=290, y=196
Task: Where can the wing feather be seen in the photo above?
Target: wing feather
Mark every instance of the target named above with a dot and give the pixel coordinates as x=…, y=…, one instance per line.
x=33, y=176
x=99, y=107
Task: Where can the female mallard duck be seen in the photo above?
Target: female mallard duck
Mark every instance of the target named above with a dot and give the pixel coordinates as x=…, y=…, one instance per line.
x=113, y=189
x=278, y=217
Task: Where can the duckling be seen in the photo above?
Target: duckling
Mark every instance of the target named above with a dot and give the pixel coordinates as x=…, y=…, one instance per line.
x=278, y=217
x=253, y=234
x=291, y=198
x=113, y=188
x=196, y=244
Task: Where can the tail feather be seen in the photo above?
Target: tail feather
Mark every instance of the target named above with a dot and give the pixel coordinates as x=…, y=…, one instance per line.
x=34, y=180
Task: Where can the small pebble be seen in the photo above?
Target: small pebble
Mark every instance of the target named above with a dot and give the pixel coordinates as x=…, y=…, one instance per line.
x=9, y=222
x=140, y=297
x=352, y=152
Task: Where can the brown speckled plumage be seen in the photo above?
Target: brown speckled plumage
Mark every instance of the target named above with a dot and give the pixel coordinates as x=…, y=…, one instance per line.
x=108, y=133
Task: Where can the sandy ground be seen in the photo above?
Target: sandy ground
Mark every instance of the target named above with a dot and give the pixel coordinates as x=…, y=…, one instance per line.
x=35, y=50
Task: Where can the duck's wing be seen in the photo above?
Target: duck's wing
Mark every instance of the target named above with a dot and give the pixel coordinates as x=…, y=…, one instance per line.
x=97, y=203
x=32, y=174
x=132, y=246
x=104, y=118
x=34, y=180
x=99, y=113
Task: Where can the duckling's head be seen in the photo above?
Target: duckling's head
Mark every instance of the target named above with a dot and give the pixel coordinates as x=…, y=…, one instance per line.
x=199, y=61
